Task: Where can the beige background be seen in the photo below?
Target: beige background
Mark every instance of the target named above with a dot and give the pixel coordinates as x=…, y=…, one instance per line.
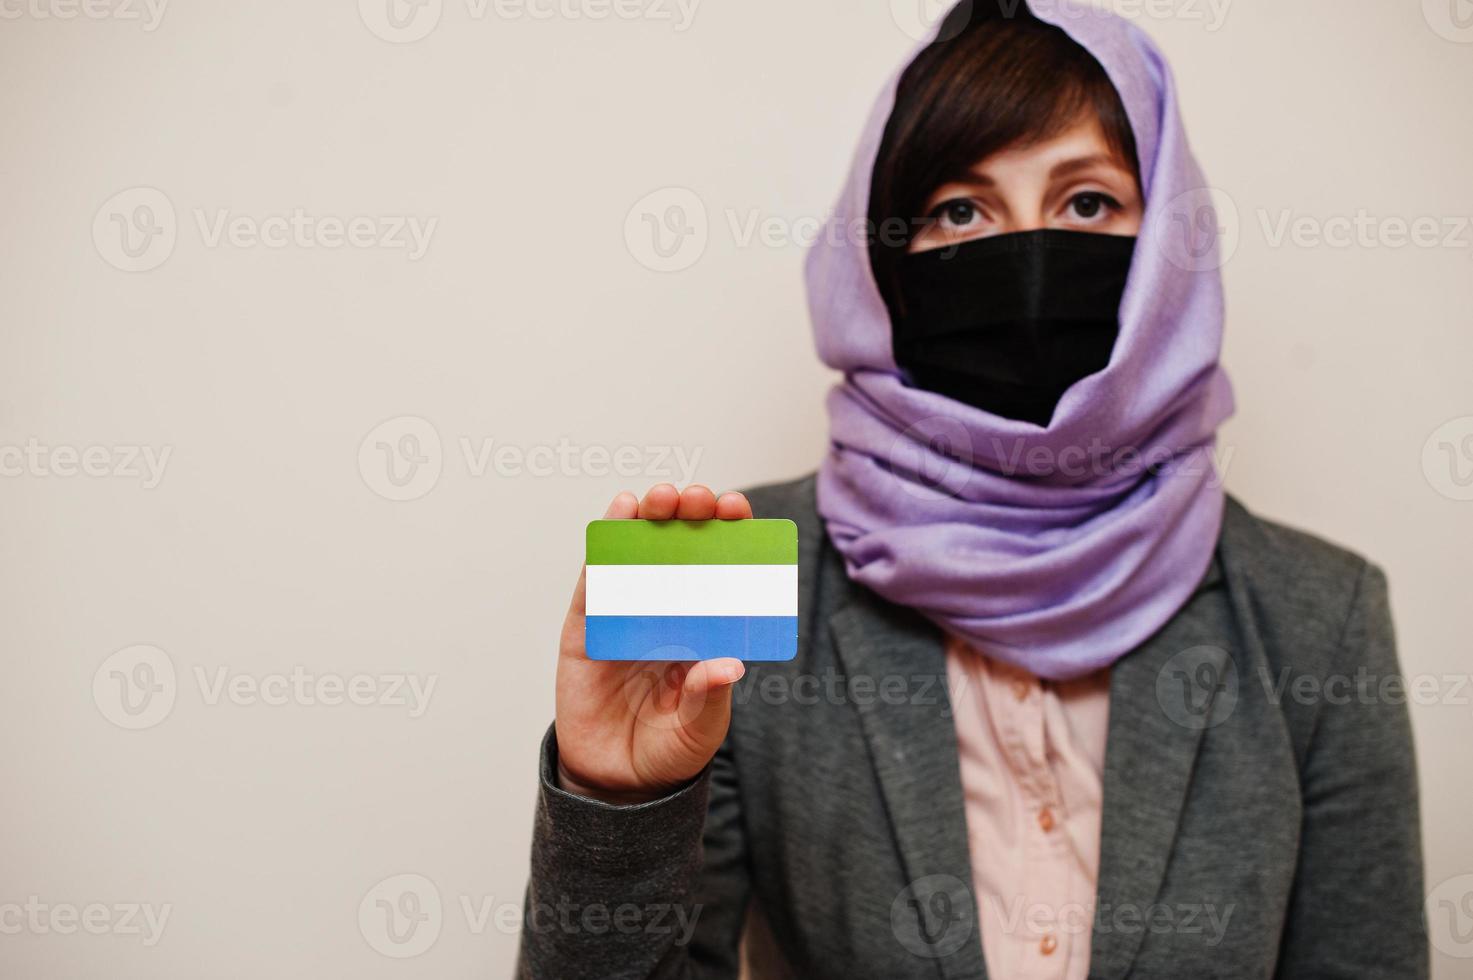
x=533, y=320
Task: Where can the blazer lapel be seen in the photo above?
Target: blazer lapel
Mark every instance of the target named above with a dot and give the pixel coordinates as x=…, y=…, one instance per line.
x=912, y=747
x=1161, y=699
x=1159, y=707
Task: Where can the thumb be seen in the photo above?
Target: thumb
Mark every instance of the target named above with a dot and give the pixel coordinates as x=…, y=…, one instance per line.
x=705, y=700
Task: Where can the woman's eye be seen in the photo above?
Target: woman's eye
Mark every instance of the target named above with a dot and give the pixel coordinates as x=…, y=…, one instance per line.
x=1089, y=204
x=957, y=214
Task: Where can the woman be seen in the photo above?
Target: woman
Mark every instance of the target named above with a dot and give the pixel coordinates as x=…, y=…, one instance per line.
x=1046, y=717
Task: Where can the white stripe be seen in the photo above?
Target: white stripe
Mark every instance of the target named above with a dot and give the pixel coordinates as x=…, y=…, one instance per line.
x=692, y=590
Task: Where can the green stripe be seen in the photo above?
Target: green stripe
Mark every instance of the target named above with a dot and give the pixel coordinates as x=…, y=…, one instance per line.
x=747, y=542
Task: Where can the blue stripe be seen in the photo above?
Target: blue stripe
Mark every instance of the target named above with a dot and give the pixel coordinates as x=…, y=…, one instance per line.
x=691, y=637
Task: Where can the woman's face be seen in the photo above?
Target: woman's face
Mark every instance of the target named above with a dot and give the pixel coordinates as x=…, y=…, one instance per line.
x=1073, y=181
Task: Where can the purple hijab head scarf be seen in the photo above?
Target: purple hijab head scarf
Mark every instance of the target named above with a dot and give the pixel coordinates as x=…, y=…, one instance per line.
x=1056, y=549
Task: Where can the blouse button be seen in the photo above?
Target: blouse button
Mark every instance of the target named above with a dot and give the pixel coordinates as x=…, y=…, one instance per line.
x=1048, y=944
x=1046, y=819
x=1020, y=690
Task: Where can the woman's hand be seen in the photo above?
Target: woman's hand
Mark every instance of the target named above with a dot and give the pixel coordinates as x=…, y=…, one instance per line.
x=629, y=732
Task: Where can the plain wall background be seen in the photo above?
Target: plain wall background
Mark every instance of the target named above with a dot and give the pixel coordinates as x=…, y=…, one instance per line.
x=269, y=545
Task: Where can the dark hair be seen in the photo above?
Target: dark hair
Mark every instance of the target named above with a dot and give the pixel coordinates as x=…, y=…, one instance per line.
x=997, y=79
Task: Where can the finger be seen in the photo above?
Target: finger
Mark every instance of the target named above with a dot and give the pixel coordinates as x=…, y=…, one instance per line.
x=733, y=506
x=707, y=675
x=697, y=503
x=624, y=507
x=670, y=685
x=659, y=503
x=705, y=702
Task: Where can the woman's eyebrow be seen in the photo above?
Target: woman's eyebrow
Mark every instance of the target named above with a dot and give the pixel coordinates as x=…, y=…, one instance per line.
x=1066, y=167
x=974, y=177
x=964, y=178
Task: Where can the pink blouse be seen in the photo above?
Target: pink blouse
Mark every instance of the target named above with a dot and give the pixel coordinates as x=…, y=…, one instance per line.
x=1032, y=762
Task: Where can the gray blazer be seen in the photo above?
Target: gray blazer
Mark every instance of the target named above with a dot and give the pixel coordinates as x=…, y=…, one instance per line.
x=1260, y=798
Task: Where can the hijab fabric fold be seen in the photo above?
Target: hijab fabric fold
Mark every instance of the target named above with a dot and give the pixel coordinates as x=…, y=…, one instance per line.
x=1058, y=549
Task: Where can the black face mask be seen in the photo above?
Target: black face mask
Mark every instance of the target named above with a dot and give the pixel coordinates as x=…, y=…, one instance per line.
x=1008, y=323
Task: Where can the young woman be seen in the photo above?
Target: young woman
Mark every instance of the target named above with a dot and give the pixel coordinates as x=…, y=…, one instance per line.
x=1061, y=708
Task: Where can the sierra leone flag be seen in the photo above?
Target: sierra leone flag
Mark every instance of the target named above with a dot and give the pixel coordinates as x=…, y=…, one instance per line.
x=692, y=590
